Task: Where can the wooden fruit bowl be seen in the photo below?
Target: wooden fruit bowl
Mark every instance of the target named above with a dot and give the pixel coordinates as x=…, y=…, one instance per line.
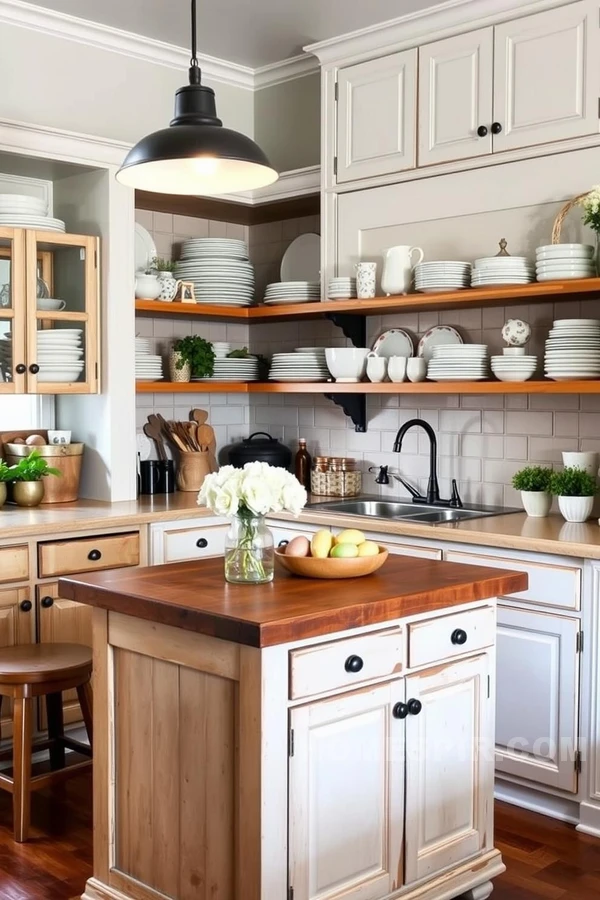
x=311, y=567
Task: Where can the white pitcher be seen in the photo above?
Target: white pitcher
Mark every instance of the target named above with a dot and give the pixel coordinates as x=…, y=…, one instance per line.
x=398, y=269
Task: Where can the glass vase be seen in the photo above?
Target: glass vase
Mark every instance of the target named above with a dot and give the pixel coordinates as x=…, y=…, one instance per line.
x=249, y=551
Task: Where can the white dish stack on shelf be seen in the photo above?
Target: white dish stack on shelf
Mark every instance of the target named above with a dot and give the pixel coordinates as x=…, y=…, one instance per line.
x=219, y=269
x=560, y=262
x=23, y=211
x=342, y=288
x=60, y=355
x=489, y=271
x=458, y=362
x=573, y=350
x=304, y=364
x=280, y=292
x=443, y=275
x=514, y=366
x=148, y=366
x=234, y=369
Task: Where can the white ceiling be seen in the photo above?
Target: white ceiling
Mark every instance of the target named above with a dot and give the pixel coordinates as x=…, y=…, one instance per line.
x=251, y=32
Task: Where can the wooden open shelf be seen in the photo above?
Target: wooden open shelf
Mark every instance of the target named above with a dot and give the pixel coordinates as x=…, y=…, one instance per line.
x=322, y=387
x=470, y=297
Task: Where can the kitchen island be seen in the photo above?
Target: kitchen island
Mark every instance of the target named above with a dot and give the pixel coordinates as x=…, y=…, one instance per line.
x=298, y=739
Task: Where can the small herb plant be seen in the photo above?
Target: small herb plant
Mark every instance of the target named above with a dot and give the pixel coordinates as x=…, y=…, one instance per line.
x=572, y=482
x=31, y=468
x=162, y=265
x=4, y=470
x=198, y=352
x=532, y=478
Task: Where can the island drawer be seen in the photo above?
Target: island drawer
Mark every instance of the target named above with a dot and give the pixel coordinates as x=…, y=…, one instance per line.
x=439, y=639
x=345, y=663
x=193, y=543
x=550, y=584
x=14, y=563
x=109, y=551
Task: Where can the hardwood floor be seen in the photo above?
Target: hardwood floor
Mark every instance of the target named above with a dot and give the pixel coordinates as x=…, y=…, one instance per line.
x=545, y=859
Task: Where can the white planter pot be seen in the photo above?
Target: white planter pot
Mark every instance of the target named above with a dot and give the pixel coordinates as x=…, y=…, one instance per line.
x=576, y=509
x=536, y=503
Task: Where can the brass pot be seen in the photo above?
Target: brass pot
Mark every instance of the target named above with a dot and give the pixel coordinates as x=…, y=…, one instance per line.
x=28, y=493
x=2, y=493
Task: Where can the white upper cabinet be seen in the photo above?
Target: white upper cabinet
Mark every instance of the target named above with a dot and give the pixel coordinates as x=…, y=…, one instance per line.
x=376, y=117
x=455, y=97
x=546, y=76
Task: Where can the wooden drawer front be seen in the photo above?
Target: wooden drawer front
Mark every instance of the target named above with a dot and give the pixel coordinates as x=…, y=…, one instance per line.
x=409, y=550
x=549, y=585
x=194, y=543
x=440, y=639
x=316, y=670
x=14, y=563
x=88, y=554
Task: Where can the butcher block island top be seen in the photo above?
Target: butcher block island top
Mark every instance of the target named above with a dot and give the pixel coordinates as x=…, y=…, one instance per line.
x=195, y=596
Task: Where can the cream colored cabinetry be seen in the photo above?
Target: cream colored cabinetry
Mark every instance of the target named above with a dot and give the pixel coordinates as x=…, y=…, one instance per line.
x=17, y=626
x=191, y=539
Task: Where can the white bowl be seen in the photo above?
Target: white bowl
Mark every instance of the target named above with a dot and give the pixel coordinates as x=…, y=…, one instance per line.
x=558, y=249
x=513, y=374
x=50, y=303
x=347, y=364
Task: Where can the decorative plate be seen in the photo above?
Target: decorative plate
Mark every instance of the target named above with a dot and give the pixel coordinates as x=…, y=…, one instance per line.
x=145, y=248
x=395, y=342
x=439, y=334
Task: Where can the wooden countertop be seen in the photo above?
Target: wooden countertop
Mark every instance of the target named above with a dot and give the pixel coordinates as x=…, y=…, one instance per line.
x=196, y=597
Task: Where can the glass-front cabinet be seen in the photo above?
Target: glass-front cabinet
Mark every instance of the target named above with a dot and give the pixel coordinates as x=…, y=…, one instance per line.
x=48, y=312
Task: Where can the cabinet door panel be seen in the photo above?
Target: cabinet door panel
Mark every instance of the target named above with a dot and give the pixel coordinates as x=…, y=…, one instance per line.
x=537, y=697
x=17, y=626
x=12, y=311
x=376, y=117
x=455, y=97
x=545, y=76
x=449, y=767
x=346, y=796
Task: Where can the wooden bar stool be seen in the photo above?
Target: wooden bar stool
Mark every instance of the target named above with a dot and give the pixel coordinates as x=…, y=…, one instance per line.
x=43, y=670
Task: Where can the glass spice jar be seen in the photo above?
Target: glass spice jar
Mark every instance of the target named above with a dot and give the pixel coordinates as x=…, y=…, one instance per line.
x=318, y=475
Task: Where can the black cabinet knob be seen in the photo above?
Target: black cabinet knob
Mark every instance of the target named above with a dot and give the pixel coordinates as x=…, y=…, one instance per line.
x=34, y=368
x=47, y=602
x=414, y=707
x=353, y=664
x=201, y=543
x=94, y=555
x=482, y=131
x=496, y=127
x=26, y=606
x=400, y=711
x=21, y=369
x=458, y=636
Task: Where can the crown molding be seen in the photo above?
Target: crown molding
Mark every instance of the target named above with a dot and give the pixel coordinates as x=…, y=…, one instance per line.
x=55, y=143
x=427, y=25
x=285, y=70
x=292, y=184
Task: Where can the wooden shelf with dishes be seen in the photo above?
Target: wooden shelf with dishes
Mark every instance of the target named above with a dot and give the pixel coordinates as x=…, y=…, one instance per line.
x=407, y=387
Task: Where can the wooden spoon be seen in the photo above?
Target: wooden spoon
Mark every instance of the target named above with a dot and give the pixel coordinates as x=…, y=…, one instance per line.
x=154, y=432
x=199, y=416
x=205, y=437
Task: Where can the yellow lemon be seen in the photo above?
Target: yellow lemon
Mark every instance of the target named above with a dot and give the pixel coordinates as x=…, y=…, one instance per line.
x=350, y=536
x=368, y=548
x=344, y=551
x=321, y=544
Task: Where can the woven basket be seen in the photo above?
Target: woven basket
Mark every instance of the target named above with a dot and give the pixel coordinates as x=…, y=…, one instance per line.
x=562, y=214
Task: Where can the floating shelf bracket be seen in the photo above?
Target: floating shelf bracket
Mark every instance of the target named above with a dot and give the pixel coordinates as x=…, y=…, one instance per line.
x=354, y=327
x=355, y=407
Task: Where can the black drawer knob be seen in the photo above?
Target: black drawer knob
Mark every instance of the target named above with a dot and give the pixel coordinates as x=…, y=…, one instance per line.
x=26, y=606
x=47, y=602
x=482, y=131
x=94, y=555
x=21, y=369
x=201, y=543
x=458, y=636
x=496, y=128
x=400, y=711
x=353, y=664
x=34, y=368
x=414, y=707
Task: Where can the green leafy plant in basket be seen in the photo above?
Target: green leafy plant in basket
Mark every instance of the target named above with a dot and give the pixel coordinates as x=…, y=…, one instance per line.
x=198, y=352
x=162, y=265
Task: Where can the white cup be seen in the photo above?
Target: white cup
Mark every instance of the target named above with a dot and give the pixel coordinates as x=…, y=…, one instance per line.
x=59, y=437
x=397, y=369
x=416, y=368
x=376, y=368
x=588, y=460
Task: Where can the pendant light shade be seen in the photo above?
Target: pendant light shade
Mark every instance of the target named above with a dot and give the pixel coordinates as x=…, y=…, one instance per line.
x=195, y=154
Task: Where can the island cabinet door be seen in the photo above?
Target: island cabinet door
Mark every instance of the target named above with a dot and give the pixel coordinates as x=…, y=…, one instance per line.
x=346, y=796
x=449, y=766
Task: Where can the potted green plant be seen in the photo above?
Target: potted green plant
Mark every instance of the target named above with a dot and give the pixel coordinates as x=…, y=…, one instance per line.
x=3, y=479
x=534, y=484
x=168, y=283
x=575, y=489
x=191, y=356
x=26, y=476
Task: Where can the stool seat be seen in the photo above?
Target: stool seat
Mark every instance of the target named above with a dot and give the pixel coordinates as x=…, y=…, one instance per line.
x=36, y=663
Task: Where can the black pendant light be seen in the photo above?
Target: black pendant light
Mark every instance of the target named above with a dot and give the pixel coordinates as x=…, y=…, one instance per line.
x=195, y=154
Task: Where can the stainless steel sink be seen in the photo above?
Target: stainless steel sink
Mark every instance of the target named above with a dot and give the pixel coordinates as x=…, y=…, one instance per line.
x=382, y=509
x=410, y=512
x=443, y=516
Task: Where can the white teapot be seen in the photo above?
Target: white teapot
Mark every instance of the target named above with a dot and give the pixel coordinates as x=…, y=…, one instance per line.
x=147, y=286
x=398, y=269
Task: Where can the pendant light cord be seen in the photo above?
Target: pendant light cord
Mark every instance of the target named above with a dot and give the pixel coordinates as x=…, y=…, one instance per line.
x=194, y=67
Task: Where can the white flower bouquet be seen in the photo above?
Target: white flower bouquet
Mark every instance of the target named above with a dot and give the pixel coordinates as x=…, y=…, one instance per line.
x=591, y=208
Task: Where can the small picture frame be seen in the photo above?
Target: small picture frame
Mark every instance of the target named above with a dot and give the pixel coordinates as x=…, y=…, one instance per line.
x=186, y=292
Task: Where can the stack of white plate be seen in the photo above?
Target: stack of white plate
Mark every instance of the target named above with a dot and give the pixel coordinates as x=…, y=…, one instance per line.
x=514, y=368
x=458, y=362
x=219, y=270
x=60, y=354
x=573, y=350
x=23, y=211
x=148, y=366
x=292, y=292
x=6, y=357
x=341, y=288
x=444, y=275
x=234, y=369
x=557, y=262
x=305, y=364
x=489, y=271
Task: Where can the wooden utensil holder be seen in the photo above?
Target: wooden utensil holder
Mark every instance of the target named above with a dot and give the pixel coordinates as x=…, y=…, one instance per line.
x=192, y=470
